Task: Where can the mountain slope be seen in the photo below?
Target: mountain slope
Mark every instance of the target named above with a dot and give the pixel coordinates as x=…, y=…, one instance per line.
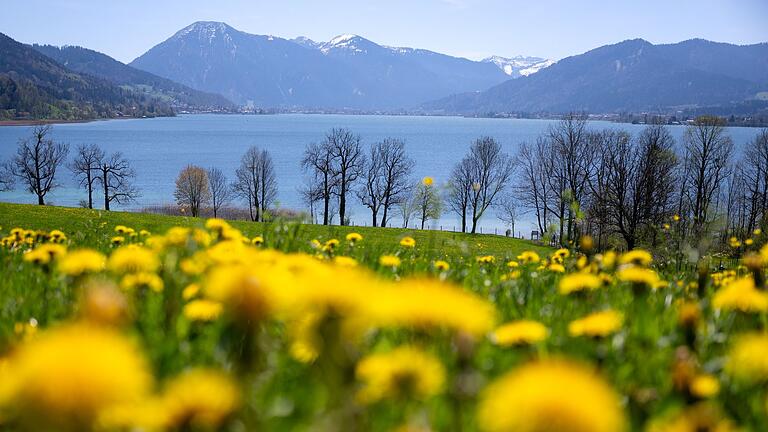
x=100, y=65
x=633, y=75
x=346, y=72
x=33, y=86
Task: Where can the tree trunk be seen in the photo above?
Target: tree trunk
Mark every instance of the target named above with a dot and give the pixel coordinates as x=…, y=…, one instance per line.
x=40, y=200
x=90, y=189
x=374, y=218
x=342, y=201
x=464, y=221
x=326, y=204
x=106, y=192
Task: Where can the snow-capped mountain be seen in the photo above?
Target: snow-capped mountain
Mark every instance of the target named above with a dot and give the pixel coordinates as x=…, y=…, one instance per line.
x=518, y=66
x=348, y=71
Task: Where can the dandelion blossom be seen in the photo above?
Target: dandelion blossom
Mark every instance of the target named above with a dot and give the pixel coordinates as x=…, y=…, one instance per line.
x=407, y=242
x=598, y=324
x=552, y=395
x=748, y=358
x=80, y=262
x=519, y=332
x=405, y=372
x=578, y=282
x=741, y=295
x=202, y=398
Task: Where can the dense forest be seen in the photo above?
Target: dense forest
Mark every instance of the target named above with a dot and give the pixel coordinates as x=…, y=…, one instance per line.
x=33, y=86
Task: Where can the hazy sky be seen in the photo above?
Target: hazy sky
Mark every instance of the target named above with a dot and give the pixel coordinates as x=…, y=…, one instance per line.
x=125, y=29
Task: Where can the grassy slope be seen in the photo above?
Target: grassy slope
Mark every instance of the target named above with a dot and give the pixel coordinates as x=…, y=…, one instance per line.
x=92, y=227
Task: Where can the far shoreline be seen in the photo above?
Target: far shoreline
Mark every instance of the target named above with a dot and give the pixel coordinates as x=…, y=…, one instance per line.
x=591, y=117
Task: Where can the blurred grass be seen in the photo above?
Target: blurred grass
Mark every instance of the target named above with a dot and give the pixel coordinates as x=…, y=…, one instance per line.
x=89, y=228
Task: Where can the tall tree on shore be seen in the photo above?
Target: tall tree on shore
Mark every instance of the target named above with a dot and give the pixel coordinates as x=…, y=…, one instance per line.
x=116, y=177
x=36, y=162
x=708, y=150
x=221, y=193
x=533, y=192
x=755, y=165
x=192, y=189
x=386, y=178
x=85, y=168
x=318, y=161
x=459, y=190
x=427, y=201
x=491, y=170
x=348, y=162
x=256, y=182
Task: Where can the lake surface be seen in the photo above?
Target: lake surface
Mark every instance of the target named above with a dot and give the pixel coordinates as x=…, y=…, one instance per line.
x=159, y=148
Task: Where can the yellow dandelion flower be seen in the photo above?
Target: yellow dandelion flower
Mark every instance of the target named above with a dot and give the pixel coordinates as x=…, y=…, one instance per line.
x=57, y=236
x=441, y=265
x=702, y=416
x=429, y=304
x=117, y=240
x=748, y=358
x=345, y=261
x=190, y=291
x=578, y=282
x=689, y=314
x=257, y=241
x=45, y=253
x=598, y=324
x=551, y=396
x=486, y=259
x=389, y=261
x=637, y=257
x=202, y=310
x=519, y=332
x=248, y=292
x=121, y=229
x=354, y=237
x=201, y=398
x=639, y=276
x=676, y=218
x=704, y=386
x=741, y=295
x=67, y=376
x=529, y=257
x=734, y=242
x=217, y=225
x=427, y=181
x=81, y=262
x=556, y=268
x=402, y=373
x=513, y=264
x=133, y=259
x=133, y=281
x=407, y=242
x=748, y=242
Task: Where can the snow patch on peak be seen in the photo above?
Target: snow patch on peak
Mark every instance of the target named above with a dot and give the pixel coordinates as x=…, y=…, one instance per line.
x=341, y=39
x=349, y=42
x=519, y=65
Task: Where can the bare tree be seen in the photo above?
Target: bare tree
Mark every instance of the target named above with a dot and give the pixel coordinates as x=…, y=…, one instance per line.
x=85, y=168
x=256, y=182
x=533, y=192
x=570, y=169
x=427, y=202
x=6, y=178
x=459, y=190
x=36, y=161
x=396, y=172
x=116, y=177
x=755, y=173
x=311, y=193
x=221, y=193
x=371, y=193
x=708, y=153
x=491, y=170
x=192, y=189
x=408, y=207
x=508, y=211
x=318, y=160
x=348, y=162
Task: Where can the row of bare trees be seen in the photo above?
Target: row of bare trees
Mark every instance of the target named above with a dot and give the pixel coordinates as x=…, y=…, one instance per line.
x=574, y=181
x=255, y=184
x=39, y=158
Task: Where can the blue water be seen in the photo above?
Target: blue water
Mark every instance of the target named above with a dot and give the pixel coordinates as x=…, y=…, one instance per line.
x=160, y=148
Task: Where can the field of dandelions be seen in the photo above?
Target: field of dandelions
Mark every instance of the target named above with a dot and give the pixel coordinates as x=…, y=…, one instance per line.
x=204, y=328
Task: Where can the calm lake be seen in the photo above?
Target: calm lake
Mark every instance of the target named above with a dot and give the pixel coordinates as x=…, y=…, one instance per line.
x=160, y=148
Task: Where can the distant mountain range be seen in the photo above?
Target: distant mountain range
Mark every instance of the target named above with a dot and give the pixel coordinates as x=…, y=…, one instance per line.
x=630, y=76
x=83, y=60
x=34, y=86
x=210, y=66
x=348, y=71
